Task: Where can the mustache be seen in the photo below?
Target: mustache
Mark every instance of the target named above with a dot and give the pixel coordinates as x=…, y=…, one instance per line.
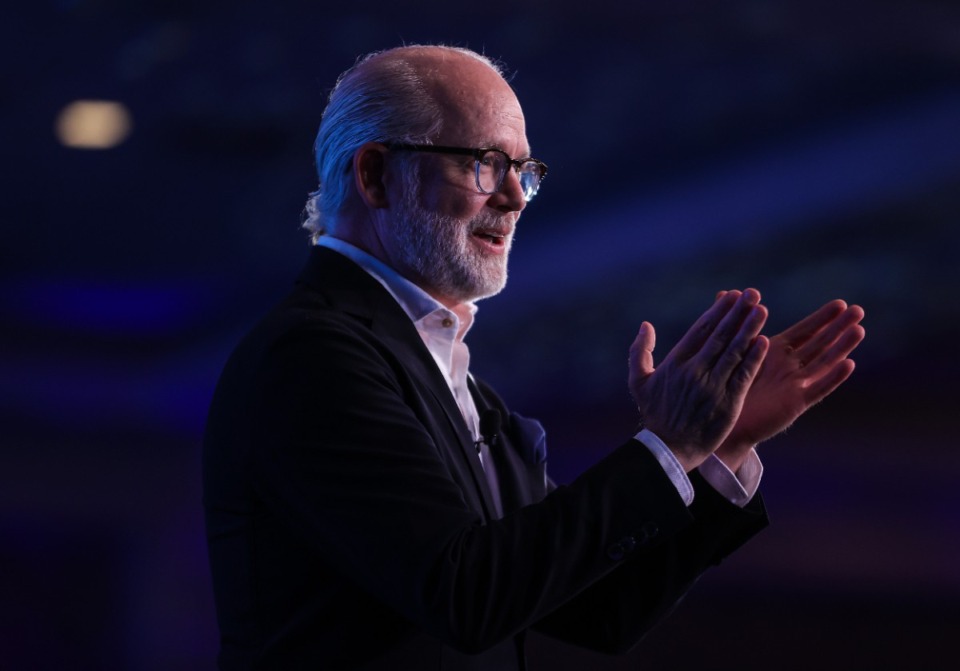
x=488, y=222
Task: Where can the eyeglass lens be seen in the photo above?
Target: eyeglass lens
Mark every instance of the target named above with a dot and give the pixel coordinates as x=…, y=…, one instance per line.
x=492, y=170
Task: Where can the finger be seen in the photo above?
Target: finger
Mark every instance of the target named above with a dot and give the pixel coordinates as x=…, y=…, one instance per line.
x=842, y=324
x=728, y=338
x=697, y=335
x=741, y=379
x=838, y=351
x=641, y=353
x=802, y=331
x=824, y=386
x=740, y=345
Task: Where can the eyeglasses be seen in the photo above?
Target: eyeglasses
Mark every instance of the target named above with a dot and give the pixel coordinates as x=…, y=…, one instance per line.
x=491, y=166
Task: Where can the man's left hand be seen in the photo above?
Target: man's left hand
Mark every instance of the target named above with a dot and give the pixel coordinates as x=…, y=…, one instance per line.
x=804, y=364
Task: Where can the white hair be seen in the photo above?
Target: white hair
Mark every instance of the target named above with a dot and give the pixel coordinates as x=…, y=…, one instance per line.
x=384, y=97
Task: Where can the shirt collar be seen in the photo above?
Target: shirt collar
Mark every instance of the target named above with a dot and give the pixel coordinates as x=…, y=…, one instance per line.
x=416, y=302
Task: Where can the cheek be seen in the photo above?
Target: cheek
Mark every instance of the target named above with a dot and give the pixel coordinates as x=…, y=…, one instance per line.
x=461, y=209
x=450, y=199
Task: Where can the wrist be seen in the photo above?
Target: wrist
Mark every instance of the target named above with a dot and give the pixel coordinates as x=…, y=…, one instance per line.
x=732, y=452
x=687, y=455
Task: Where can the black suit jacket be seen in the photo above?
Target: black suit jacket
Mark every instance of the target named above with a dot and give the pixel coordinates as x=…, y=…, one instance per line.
x=350, y=525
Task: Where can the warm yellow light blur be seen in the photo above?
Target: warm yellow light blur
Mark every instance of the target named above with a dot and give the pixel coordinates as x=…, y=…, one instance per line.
x=93, y=124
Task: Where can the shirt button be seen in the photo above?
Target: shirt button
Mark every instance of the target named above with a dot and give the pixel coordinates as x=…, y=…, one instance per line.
x=619, y=550
x=446, y=323
x=616, y=552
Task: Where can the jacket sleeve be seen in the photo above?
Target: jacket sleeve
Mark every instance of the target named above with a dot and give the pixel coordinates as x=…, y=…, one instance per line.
x=614, y=614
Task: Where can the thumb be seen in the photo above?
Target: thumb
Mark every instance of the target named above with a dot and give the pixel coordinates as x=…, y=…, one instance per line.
x=641, y=354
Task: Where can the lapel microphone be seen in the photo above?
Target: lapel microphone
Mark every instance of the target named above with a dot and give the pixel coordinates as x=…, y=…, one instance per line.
x=490, y=422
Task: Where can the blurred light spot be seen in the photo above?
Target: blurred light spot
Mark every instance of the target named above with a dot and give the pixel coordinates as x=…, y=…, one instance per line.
x=93, y=124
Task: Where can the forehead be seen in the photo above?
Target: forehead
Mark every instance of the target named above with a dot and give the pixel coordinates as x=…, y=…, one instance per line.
x=479, y=107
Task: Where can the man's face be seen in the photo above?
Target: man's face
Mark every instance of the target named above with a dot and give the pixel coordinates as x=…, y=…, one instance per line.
x=457, y=259
x=448, y=237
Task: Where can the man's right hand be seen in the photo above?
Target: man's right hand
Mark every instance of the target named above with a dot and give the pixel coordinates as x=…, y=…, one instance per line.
x=693, y=398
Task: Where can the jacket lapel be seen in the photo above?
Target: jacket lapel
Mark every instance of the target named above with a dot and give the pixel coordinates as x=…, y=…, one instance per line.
x=352, y=290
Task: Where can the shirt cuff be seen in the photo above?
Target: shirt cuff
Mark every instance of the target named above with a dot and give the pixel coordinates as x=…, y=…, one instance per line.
x=738, y=488
x=669, y=463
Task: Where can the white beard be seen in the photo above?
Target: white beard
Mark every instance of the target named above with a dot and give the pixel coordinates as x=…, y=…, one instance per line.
x=439, y=250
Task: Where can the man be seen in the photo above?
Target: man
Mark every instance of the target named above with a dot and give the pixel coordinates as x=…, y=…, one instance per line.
x=372, y=506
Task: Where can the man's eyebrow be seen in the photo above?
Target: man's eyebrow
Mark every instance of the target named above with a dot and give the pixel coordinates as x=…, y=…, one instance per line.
x=498, y=146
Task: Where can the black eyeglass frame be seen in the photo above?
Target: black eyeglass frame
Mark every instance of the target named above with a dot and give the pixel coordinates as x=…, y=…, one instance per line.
x=478, y=154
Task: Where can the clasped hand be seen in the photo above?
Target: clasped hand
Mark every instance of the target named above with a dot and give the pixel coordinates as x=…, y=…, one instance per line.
x=694, y=397
x=804, y=364
x=724, y=387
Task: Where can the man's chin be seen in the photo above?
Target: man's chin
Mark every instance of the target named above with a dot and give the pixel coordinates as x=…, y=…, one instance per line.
x=467, y=282
x=486, y=290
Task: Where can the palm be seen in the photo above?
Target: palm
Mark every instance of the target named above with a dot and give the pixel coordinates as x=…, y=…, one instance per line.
x=804, y=364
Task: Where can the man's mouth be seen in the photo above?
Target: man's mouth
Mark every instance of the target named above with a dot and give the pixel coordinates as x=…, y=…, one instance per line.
x=494, y=237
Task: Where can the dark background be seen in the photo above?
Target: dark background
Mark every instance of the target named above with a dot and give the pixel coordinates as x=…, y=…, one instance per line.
x=810, y=149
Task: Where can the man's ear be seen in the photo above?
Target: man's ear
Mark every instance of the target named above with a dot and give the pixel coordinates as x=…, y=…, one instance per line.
x=369, y=167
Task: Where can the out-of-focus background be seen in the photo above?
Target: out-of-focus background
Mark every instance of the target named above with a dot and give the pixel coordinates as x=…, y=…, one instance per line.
x=810, y=149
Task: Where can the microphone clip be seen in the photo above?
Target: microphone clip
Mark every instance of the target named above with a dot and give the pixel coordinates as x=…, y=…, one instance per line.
x=490, y=423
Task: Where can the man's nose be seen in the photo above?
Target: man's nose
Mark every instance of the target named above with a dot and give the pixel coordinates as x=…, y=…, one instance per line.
x=509, y=198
